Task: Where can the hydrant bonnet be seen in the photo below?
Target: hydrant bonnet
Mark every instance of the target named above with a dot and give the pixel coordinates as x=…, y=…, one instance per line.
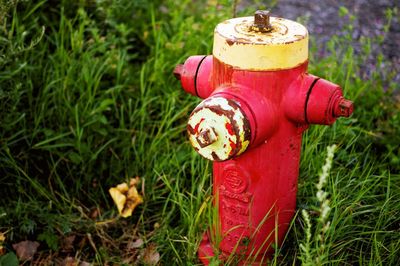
x=239, y=43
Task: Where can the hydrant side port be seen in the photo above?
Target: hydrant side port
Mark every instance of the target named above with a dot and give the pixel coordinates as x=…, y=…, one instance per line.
x=260, y=111
x=258, y=100
x=313, y=100
x=195, y=75
x=239, y=117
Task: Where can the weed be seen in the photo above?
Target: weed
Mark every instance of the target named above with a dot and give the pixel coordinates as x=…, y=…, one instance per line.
x=314, y=249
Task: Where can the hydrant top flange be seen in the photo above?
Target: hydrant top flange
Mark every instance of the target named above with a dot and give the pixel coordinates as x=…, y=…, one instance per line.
x=243, y=43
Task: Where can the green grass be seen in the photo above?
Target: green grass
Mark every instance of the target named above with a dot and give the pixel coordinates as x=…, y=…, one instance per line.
x=88, y=100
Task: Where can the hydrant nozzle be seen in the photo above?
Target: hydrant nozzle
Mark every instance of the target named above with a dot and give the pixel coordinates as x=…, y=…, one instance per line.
x=207, y=137
x=178, y=71
x=343, y=108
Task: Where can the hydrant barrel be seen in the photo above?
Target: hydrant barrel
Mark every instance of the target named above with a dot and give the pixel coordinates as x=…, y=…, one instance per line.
x=258, y=100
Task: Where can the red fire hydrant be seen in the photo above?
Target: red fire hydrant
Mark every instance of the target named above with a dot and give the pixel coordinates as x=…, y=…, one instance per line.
x=259, y=99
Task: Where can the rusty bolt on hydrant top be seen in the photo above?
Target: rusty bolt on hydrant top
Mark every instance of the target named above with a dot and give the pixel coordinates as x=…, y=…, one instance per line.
x=258, y=100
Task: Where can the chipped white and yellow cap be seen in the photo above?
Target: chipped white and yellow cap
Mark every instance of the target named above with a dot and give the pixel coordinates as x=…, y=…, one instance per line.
x=242, y=43
x=218, y=129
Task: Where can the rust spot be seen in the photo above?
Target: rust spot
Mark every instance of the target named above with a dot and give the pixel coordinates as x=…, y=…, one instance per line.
x=242, y=40
x=190, y=129
x=247, y=133
x=233, y=41
x=246, y=127
x=219, y=111
x=234, y=127
x=289, y=42
x=233, y=104
x=215, y=156
x=206, y=137
x=237, y=147
x=230, y=42
x=300, y=37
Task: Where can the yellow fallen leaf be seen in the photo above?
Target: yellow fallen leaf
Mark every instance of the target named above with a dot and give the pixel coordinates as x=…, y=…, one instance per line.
x=126, y=197
x=118, y=197
x=2, y=239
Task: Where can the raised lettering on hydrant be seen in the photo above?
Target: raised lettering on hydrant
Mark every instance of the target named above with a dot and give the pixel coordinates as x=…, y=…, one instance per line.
x=258, y=100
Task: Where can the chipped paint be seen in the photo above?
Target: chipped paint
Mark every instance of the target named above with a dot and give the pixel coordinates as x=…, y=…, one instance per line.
x=242, y=45
x=225, y=119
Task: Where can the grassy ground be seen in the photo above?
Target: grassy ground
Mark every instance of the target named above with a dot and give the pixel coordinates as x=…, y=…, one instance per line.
x=88, y=101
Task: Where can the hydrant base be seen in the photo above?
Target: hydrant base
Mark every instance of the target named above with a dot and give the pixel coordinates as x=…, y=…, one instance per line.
x=206, y=254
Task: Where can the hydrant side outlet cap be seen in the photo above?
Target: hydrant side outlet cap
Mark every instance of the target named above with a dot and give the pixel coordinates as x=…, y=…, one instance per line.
x=237, y=42
x=218, y=129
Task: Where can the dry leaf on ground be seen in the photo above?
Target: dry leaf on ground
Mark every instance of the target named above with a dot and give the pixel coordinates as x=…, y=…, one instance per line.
x=71, y=261
x=150, y=255
x=126, y=197
x=67, y=243
x=135, y=244
x=94, y=213
x=26, y=249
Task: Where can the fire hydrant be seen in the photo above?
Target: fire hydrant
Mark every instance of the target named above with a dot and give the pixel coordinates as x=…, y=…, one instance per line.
x=258, y=100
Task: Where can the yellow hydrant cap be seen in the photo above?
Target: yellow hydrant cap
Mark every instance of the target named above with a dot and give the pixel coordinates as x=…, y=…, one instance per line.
x=246, y=43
